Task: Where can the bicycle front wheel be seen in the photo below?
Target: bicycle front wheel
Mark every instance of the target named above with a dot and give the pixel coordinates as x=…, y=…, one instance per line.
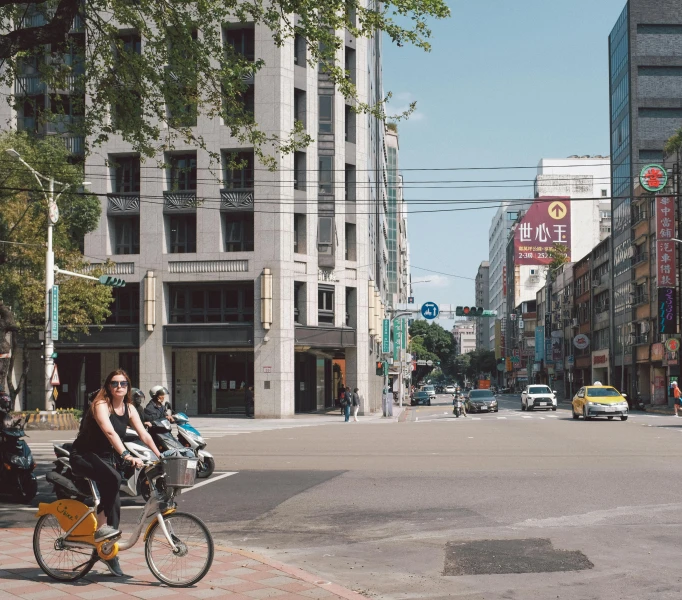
x=63, y=563
x=191, y=559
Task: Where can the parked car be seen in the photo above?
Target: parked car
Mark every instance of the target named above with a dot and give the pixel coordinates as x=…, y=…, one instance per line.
x=450, y=389
x=421, y=397
x=538, y=396
x=599, y=401
x=481, y=401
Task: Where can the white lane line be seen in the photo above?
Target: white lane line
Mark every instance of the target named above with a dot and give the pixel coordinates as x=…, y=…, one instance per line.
x=501, y=417
x=210, y=480
x=475, y=418
x=416, y=419
x=525, y=417
x=542, y=418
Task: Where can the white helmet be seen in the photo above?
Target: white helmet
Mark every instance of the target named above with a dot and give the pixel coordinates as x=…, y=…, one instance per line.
x=157, y=390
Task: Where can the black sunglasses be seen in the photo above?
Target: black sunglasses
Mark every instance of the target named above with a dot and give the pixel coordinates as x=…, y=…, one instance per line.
x=115, y=384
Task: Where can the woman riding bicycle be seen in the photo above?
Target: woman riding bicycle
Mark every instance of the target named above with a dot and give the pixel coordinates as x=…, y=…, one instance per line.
x=99, y=447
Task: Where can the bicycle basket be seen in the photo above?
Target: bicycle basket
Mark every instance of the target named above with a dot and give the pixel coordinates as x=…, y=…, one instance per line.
x=180, y=471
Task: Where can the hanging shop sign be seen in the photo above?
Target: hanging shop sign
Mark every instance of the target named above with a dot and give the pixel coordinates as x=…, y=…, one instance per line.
x=581, y=341
x=665, y=246
x=653, y=178
x=667, y=310
x=547, y=222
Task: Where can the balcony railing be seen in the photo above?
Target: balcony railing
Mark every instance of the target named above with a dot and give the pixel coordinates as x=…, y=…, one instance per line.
x=180, y=201
x=75, y=144
x=236, y=199
x=640, y=258
x=123, y=203
x=640, y=299
x=641, y=340
x=28, y=85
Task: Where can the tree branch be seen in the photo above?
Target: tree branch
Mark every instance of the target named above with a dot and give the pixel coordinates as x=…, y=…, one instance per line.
x=51, y=33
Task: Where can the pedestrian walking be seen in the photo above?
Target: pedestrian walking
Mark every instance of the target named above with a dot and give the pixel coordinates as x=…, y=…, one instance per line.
x=356, y=404
x=347, y=402
x=249, y=402
x=676, y=394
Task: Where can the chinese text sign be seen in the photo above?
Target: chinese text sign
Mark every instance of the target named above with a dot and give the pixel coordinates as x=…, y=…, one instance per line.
x=665, y=247
x=547, y=222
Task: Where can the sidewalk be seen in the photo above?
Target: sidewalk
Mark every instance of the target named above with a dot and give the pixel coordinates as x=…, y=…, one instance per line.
x=235, y=574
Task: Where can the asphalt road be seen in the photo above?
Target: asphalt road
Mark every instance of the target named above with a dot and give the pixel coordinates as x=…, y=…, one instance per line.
x=503, y=505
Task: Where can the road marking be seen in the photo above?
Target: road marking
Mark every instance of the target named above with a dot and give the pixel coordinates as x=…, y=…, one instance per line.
x=210, y=480
x=525, y=417
x=501, y=417
x=416, y=419
x=475, y=418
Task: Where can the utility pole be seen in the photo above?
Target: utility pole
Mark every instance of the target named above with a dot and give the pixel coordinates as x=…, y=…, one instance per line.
x=52, y=220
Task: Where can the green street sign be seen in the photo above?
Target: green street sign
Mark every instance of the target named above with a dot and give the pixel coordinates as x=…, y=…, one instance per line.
x=386, y=336
x=397, y=335
x=403, y=337
x=55, y=313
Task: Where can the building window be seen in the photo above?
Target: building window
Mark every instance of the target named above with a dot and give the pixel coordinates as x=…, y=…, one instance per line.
x=349, y=183
x=350, y=241
x=299, y=302
x=125, y=308
x=326, y=174
x=351, y=307
x=238, y=232
x=126, y=174
x=183, y=173
x=325, y=305
x=350, y=64
x=233, y=303
x=325, y=235
x=299, y=233
x=300, y=107
x=181, y=82
x=238, y=170
x=126, y=235
x=349, y=124
x=299, y=170
x=326, y=121
x=242, y=41
x=299, y=50
x=183, y=234
x=604, y=193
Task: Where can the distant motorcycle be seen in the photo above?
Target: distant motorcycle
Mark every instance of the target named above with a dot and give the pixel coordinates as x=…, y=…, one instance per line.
x=458, y=406
x=190, y=438
x=16, y=475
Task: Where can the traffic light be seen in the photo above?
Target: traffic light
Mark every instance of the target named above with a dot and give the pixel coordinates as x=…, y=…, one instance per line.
x=380, y=367
x=112, y=281
x=469, y=311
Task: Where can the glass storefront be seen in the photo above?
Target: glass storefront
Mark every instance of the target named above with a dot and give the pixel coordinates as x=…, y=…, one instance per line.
x=223, y=380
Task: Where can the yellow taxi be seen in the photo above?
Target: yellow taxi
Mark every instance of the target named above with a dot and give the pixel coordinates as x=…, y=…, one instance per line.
x=599, y=401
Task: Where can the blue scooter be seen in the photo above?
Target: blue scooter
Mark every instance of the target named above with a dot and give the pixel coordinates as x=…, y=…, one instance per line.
x=190, y=438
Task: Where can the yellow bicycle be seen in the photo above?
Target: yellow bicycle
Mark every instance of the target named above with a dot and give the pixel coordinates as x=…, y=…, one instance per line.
x=178, y=546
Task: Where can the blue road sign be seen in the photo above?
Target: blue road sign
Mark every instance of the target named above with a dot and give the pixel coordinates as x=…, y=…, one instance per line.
x=430, y=310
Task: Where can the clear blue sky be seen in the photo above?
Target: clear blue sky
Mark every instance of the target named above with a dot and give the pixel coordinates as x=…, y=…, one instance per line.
x=506, y=83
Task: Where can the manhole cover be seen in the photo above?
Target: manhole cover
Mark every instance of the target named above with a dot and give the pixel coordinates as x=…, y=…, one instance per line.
x=497, y=557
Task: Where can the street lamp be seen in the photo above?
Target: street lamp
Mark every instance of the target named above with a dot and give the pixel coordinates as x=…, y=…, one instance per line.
x=52, y=219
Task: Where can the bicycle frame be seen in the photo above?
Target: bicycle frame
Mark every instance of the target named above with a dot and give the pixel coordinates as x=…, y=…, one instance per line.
x=152, y=506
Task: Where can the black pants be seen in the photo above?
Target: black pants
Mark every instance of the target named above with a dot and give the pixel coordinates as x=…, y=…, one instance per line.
x=102, y=471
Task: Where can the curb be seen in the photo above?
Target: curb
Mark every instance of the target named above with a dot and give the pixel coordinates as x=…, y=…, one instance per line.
x=334, y=588
x=60, y=421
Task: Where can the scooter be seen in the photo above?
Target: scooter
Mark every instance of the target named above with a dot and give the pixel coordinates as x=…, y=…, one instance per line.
x=133, y=483
x=190, y=438
x=458, y=406
x=16, y=474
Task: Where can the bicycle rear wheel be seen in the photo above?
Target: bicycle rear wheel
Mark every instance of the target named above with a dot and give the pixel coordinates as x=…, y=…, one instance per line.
x=193, y=557
x=62, y=563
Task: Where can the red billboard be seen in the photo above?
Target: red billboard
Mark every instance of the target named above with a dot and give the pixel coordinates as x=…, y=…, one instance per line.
x=665, y=248
x=547, y=222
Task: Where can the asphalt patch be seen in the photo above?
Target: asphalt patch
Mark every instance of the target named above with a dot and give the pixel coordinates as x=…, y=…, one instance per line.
x=501, y=557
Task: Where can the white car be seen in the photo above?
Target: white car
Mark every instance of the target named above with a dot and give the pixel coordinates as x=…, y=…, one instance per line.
x=538, y=396
x=449, y=389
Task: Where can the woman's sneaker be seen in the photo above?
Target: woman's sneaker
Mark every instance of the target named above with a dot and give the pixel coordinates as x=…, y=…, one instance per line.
x=114, y=567
x=105, y=533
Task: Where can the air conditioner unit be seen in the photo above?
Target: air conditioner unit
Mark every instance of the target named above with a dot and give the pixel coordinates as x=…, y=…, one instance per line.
x=645, y=327
x=631, y=328
x=574, y=323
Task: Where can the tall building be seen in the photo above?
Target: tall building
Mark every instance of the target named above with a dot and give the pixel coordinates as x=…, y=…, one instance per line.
x=645, y=86
x=464, y=333
x=482, y=299
x=500, y=227
x=273, y=279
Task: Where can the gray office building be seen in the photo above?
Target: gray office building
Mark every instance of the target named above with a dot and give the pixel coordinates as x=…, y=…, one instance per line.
x=645, y=85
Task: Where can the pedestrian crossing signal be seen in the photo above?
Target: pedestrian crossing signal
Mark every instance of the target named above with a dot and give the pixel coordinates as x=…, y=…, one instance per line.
x=380, y=367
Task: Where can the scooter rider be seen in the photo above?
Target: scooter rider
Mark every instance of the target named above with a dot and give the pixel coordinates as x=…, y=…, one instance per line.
x=138, y=398
x=156, y=407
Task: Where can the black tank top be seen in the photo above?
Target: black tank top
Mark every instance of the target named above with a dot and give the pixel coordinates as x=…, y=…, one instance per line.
x=91, y=438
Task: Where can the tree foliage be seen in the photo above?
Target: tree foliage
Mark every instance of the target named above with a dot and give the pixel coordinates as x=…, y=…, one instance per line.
x=674, y=143
x=23, y=227
x=559, y=254
x=149, y=93
x=429, y=341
